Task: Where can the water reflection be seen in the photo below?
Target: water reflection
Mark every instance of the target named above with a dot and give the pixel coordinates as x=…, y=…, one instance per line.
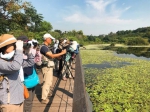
x=106, y=65
x=133, y=52
x=137, y=51
x=131, y=56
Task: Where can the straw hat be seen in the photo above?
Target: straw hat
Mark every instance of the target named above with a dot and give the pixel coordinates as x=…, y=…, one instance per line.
x=7, y=39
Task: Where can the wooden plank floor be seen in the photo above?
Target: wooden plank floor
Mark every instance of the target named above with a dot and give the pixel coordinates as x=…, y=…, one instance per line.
x=62, y=99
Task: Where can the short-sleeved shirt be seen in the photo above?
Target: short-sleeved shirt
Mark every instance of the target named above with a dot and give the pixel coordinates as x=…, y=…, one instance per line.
x=44, y=49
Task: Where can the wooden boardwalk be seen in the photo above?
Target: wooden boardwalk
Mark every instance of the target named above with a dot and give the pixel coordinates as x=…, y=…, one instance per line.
x=62, y=101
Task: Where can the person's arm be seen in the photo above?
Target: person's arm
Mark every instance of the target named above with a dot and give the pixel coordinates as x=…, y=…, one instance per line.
x=44, y=50
x=7, y=67
x=49, y=54
x=29, y=61
x=10, y=67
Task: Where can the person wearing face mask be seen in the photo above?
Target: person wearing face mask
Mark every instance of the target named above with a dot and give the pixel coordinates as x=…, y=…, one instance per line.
x=11, y=87
x=11, y=73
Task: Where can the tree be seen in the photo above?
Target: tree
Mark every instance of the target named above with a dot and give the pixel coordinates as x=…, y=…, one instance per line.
x=35, y=21
x=59, y=31
x=73, y=32
x=44, y=26
x=7, y=9
x=138, y=41
x=16, y=15
x=55, y=35
x=80, y=32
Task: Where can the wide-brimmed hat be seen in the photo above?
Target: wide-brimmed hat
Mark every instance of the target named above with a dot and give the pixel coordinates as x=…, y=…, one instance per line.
x=47, y=35
x=7, y=39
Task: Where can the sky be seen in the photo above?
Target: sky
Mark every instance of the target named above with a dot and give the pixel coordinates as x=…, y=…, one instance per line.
x=94, y=17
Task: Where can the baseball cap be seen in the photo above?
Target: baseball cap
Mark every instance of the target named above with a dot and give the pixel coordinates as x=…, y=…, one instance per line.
x=23, y=38
x=47, y=35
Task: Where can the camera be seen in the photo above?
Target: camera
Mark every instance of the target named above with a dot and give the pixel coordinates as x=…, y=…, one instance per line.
x=26, y=45
x=30, y=44
x=35, y=44
x=62, y=47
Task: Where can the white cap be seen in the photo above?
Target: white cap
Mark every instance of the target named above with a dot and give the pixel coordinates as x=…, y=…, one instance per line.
x=74, y=45
x=47, y=35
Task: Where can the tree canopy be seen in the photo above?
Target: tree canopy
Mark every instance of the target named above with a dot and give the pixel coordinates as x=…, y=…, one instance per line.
x=18, y=15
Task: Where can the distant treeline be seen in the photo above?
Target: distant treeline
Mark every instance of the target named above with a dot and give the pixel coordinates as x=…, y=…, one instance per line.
x=21, y=18
x=140, y=36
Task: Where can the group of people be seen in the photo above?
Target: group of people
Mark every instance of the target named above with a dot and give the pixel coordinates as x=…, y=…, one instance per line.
x=66, y=61
x=17, y=60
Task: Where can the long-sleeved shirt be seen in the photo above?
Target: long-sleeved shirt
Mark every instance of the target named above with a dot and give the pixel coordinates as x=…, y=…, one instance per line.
x=11, y=70
x=29, y=63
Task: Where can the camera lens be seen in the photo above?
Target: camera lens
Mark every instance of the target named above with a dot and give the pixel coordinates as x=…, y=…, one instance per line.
x=26, y=45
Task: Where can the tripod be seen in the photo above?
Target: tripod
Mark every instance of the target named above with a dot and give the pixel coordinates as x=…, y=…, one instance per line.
x=66, y=67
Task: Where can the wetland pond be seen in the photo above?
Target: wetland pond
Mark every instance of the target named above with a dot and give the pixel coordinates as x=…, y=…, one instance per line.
x=142, y=53
x=117, y=79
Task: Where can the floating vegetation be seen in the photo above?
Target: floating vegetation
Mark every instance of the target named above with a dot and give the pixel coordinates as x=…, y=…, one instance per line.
x=117, y=88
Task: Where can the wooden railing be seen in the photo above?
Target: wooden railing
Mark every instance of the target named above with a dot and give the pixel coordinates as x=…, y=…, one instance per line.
x=81, y=100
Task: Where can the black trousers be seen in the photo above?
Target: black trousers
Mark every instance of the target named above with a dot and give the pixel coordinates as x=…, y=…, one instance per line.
x=60, y=67
x=28, y=102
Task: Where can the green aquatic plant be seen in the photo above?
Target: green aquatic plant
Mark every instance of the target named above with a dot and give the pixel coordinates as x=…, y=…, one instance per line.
x=120, y=88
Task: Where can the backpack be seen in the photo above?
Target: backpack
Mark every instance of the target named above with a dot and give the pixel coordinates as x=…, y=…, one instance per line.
x=41, y=60
x=38, y=59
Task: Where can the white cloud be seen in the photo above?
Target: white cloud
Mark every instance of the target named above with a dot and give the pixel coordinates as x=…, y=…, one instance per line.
x=102, y=17
x=127, y=8
x=78, y=18
x=99, y=5
x=104, y=11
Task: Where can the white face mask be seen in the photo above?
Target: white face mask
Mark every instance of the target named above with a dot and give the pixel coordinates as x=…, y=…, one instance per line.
x=7, y=56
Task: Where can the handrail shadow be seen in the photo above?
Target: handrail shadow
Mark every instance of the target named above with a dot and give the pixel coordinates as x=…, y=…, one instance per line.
x=55, y=89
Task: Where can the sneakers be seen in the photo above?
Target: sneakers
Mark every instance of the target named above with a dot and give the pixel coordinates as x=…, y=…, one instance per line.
x=70, y=77
x=45, y=101
x=50, y=94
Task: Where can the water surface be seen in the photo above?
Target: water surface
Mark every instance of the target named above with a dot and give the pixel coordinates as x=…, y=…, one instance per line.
x=106, y=65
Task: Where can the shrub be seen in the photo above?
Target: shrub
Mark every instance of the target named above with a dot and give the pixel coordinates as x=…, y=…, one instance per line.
x=137, y=41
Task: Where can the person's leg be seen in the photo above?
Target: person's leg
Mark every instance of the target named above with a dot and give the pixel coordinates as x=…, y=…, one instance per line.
x=33, y=93
x=20, y=108
x=56, y=61
x=28, y=101
x=69, y=73
x=48, y=77
x=64, y=71
x=60, y=67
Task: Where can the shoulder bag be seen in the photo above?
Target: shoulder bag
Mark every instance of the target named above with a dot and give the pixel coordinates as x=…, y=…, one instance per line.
x=32, y=80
